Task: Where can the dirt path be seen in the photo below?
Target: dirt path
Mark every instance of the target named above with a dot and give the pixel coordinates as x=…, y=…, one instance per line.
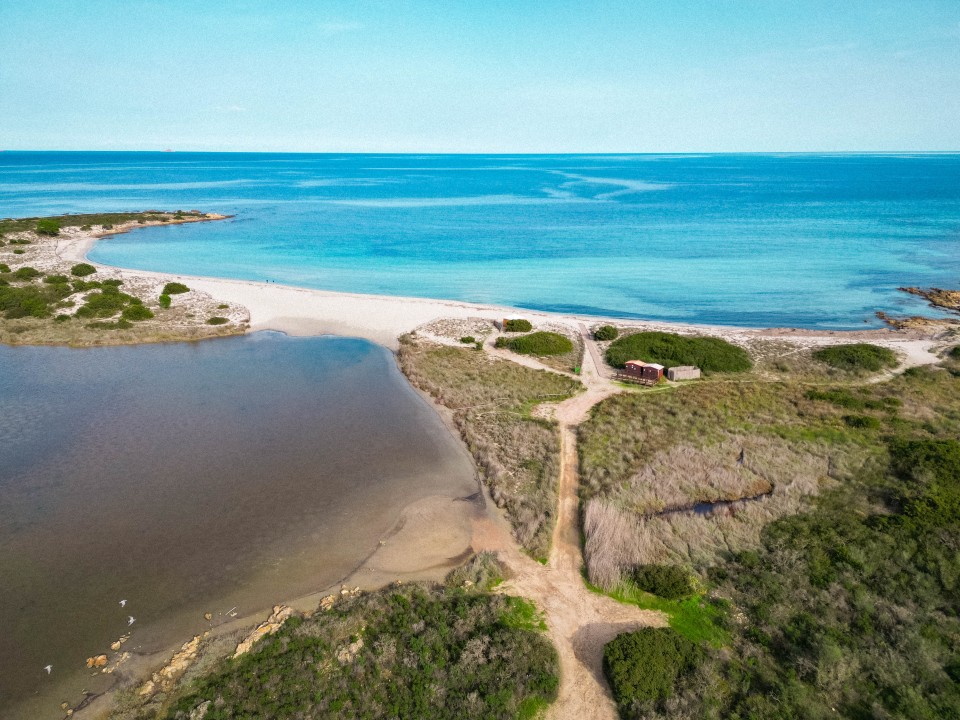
x=579, y=621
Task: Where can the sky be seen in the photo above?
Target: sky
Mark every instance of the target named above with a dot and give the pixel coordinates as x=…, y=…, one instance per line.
x=490, y=76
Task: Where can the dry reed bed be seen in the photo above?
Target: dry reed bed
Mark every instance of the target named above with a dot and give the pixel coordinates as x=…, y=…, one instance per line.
x=491, y=400
x=644, y=453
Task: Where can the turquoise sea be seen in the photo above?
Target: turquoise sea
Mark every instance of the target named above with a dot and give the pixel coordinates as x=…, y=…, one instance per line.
x=773, y=240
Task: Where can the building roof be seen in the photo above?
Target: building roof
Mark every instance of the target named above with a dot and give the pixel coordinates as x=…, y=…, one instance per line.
x=658, y=366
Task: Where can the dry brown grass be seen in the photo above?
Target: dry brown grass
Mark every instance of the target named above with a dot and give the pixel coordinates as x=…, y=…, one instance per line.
x=617, y=538
x=491, y=399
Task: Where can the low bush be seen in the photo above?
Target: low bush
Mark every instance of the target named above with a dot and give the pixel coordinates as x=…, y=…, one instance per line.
x=606, y=332
x=174, y=288
x=82, y=270
x=643, y=666
x=136, y=313
x=120, y=324
x=26, y=273
x=856, y=356
x=112, y=282
x=955, y=352
x=863, y=422
x=103, y=304
x=56, y=279
x=541, y=343
x=468, y=339
x=61, y=318
x=48, y=226
x=708, y=353
x=518, y=325
x=667, y=581
x=18, y=251
x=164, y=301
x=217, y=321
x=4, y=268
x=223, y=306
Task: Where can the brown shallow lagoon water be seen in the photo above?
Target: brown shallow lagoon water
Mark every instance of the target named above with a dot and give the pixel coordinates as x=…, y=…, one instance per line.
x=192, y=478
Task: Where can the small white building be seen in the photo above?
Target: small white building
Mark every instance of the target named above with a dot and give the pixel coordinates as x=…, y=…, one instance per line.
x=683, y=372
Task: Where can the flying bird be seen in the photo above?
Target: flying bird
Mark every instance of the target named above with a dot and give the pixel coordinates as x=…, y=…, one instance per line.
x=48, y=668
x=131, y=620
x=123, y=603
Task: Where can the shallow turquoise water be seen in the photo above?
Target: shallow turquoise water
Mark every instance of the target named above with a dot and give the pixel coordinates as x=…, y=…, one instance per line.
x=800, y=240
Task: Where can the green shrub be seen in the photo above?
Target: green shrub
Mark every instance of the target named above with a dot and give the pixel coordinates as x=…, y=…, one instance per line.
x=82, y=270
x=606, y=332
x=136, y=313
x=955, y=352
x=111, y=282
x=667, y=581
x=103, y=304
x=541, y=343
x=864, y=422
x=708, y=353
x=4, y=268
x=217, y=321
x=107, y=226
x=857, y=356
x=164, y=301
x=174, y=288
x=56, y=279
x=644, y=665
x=223, y=306
x=18, y=251
x=501, y=342
x=61, y=318
x=86, y=227
x=48, y=226
x=26, y=273
x=517, y=325
x=468, y=339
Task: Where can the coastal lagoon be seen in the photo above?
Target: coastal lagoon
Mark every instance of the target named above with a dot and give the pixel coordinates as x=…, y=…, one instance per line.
x=190, y=478
x=811, y=241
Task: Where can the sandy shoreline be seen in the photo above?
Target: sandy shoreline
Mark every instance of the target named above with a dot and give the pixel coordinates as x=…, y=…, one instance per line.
x=383, y=318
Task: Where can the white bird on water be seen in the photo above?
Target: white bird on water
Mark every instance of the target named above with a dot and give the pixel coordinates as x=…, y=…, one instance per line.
x=131, y=620
x=123, y=603
x=48, y=668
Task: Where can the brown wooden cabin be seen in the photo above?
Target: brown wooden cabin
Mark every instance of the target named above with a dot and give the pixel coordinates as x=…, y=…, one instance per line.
x=641, y=372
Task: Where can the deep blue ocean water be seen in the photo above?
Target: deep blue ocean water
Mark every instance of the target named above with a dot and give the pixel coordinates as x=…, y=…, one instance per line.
x=773, y=240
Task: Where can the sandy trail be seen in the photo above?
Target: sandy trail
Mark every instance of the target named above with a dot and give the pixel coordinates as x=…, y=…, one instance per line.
x=579, y=621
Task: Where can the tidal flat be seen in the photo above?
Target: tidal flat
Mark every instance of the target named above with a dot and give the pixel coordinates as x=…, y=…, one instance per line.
x=185, y=479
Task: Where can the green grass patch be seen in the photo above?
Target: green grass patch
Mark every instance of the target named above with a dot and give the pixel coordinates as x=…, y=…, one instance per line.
x=217, y=321
x=707, y=353
x=857, y=357
x=522, y=614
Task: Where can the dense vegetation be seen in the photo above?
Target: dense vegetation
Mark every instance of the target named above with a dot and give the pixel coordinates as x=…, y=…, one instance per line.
x=643, y=666
x=605, y=332
x=847, y=606
x=491, y=400
x=857, y=356
x=517, y=325
x=82, y=269
x=403, y=652
x=48, y=226
x=667, y=581
x=538, y=343
x=86, y=221
x=708, y=353
x=174, y=288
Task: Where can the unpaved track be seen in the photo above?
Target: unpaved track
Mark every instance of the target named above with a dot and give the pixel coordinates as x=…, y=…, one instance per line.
x=579, y=621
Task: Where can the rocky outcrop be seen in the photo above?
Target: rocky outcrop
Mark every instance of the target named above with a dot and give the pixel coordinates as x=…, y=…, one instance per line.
x=167, y=676
x=267, y=627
